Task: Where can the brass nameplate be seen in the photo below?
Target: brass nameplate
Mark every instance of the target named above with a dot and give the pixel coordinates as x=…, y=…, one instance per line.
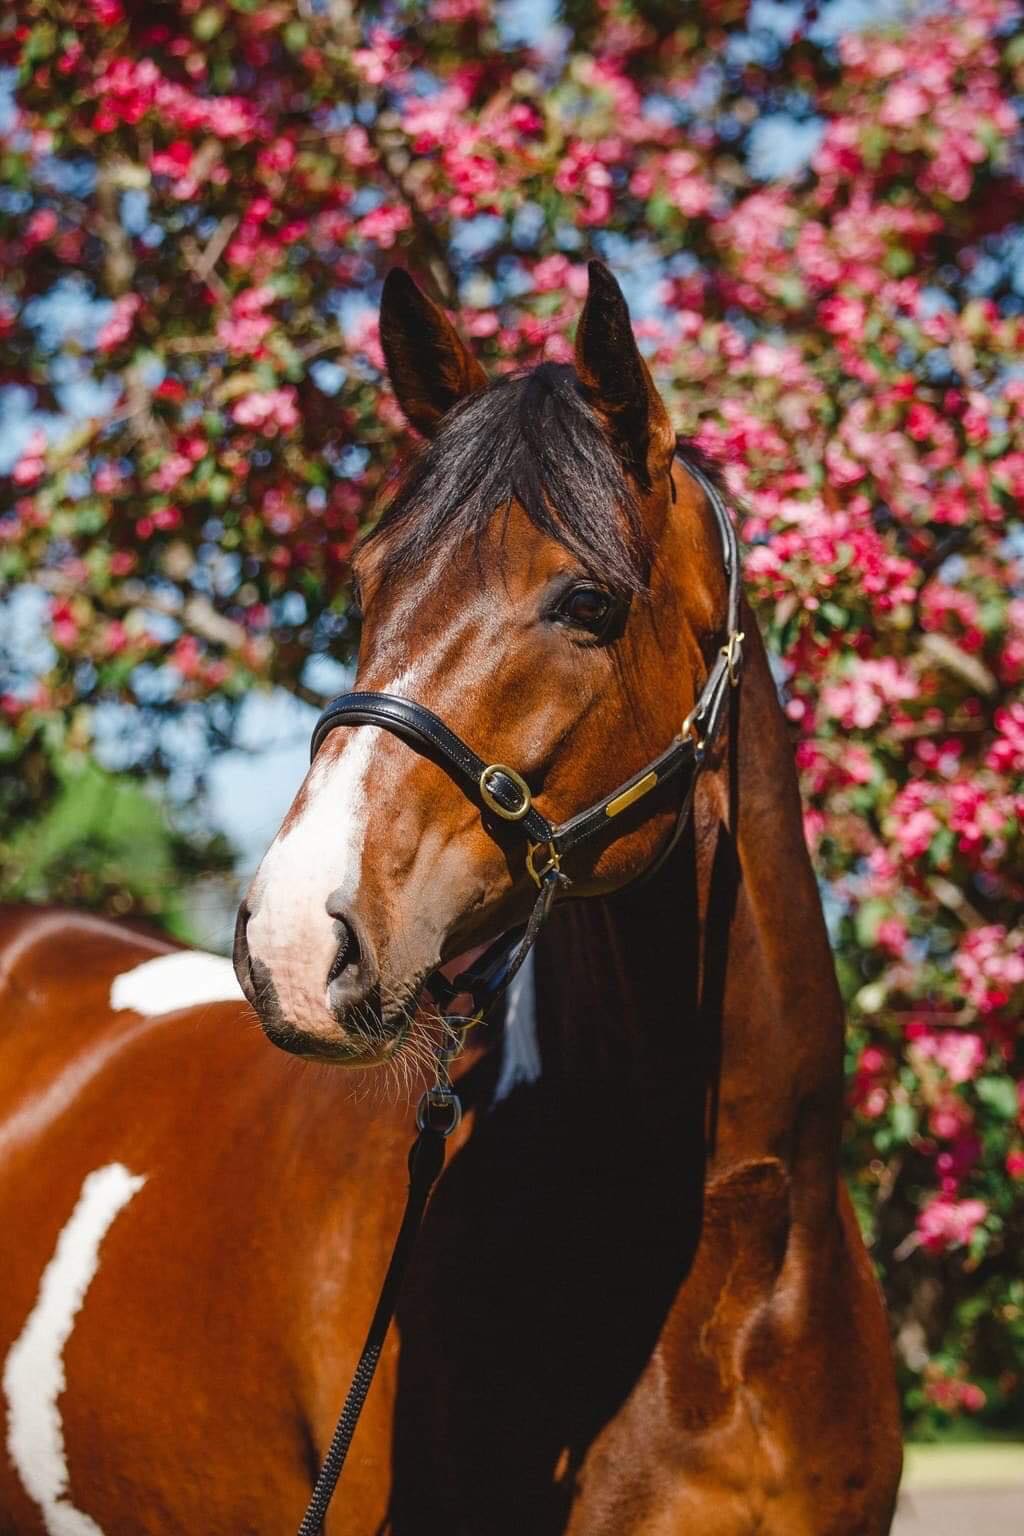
x=628, y=796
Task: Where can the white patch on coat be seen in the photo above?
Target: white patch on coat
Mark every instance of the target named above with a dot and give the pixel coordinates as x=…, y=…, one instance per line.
x=34, y=1375
x=183, y=979
x=319, y=856
x=520, y=1056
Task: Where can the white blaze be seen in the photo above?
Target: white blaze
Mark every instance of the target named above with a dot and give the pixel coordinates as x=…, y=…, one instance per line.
x=290, y=930
x=34, y=1372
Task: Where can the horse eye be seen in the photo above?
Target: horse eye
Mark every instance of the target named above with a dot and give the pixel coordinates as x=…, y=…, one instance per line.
x=585, y=608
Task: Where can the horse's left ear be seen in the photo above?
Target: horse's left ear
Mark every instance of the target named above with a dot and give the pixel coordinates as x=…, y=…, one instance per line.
x=429, y=365
x=617, y=383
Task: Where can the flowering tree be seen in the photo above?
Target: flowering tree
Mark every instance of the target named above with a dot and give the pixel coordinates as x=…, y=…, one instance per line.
x=223, y=182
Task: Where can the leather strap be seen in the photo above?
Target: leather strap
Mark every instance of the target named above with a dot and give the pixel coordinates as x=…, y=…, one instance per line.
x=422, y=730
x=426, y=1159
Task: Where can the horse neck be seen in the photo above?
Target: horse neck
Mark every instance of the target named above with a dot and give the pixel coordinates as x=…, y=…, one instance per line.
x=708, y=991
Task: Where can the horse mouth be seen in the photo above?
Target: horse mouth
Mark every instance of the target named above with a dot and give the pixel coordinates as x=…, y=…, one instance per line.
x=369, y=1033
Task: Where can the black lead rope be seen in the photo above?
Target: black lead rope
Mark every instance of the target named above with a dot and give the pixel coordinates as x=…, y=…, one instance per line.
x=504, y=796
x=426, y=1159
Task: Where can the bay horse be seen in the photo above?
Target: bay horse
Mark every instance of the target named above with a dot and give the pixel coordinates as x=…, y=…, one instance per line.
x=640, y=1302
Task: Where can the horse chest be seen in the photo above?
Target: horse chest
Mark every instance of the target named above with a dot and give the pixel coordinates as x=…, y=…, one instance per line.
x=700, y=1439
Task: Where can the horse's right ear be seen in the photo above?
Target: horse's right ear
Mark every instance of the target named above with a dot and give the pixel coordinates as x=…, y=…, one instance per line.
x=429, y=365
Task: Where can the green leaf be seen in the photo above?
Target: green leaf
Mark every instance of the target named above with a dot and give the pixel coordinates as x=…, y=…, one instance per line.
x=999, y=1094
x=208, y=23
x=904, y=1121
x=41, y=43
x=835, y=615
x=219, y=489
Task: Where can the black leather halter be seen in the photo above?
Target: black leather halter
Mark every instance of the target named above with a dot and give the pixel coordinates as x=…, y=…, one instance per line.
x=502, y=792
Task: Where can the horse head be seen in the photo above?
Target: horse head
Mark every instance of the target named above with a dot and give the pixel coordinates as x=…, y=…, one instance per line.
x=547, y=580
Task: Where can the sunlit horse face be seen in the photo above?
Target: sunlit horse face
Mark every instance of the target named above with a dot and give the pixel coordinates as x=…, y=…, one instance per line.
x=544, y=584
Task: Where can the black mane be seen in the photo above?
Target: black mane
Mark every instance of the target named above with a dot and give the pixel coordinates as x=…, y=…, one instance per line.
x=531, y=438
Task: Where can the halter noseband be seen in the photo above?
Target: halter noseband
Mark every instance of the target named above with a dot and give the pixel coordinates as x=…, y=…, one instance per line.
x=502, y=792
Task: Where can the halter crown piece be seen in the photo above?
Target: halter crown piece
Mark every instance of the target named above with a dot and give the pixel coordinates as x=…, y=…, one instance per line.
x=504, y=796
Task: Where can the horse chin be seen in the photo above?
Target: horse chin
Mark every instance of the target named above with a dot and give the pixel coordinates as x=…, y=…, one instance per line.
x=376, y=1042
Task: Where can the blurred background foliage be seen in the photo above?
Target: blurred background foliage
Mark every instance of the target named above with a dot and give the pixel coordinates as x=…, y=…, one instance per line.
x=815, y=213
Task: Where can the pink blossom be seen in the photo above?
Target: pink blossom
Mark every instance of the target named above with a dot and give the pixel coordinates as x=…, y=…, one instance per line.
x=118, y=326
x=870, y=686
x=843, y=317
x=379, y=62
x=64, y=626
x=949, y=1116
x=904, y=103
x=364, y=337
x=268, y=410
x=174, y=161
x=383, y=225
x=990, y=966
x=957, y=1160
x=243, y=330
x=186, y=657
x=960, y=1054
x=951, y=1393
x=114, y=638
x=173, y=469
x=943, y=1224
x=31, y=464
x=481, y=323
x=40, y=226
x=891, y=935
x=1006, y=754
x=108, y=479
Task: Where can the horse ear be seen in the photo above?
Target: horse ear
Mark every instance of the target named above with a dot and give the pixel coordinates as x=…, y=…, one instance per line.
x=617, y=383
x=429, y=366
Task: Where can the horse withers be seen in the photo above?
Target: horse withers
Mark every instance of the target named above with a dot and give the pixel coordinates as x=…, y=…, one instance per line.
x=640, y=1303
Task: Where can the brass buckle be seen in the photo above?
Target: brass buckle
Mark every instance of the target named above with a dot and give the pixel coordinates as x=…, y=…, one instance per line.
x=554, y=862
x=733, y=655
x=495, y=805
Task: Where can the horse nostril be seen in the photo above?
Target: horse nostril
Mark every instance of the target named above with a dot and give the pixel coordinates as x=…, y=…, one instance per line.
x=240, y=953
x=349, y=953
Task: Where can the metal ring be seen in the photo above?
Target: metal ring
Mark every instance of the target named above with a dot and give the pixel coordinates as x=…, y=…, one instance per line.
x=733, y=653
x=489, y=799
x=554, y=862
x=689, y=728
x=448, y=1049
x=439, y=1098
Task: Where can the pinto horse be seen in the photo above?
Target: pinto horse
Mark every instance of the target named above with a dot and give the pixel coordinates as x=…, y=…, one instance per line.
x=640, y=1302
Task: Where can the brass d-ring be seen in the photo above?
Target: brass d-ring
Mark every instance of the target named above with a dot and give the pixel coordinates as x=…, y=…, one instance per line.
x=552, y=862
x=494, y=804
x=733, y=653
x=689, y=728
